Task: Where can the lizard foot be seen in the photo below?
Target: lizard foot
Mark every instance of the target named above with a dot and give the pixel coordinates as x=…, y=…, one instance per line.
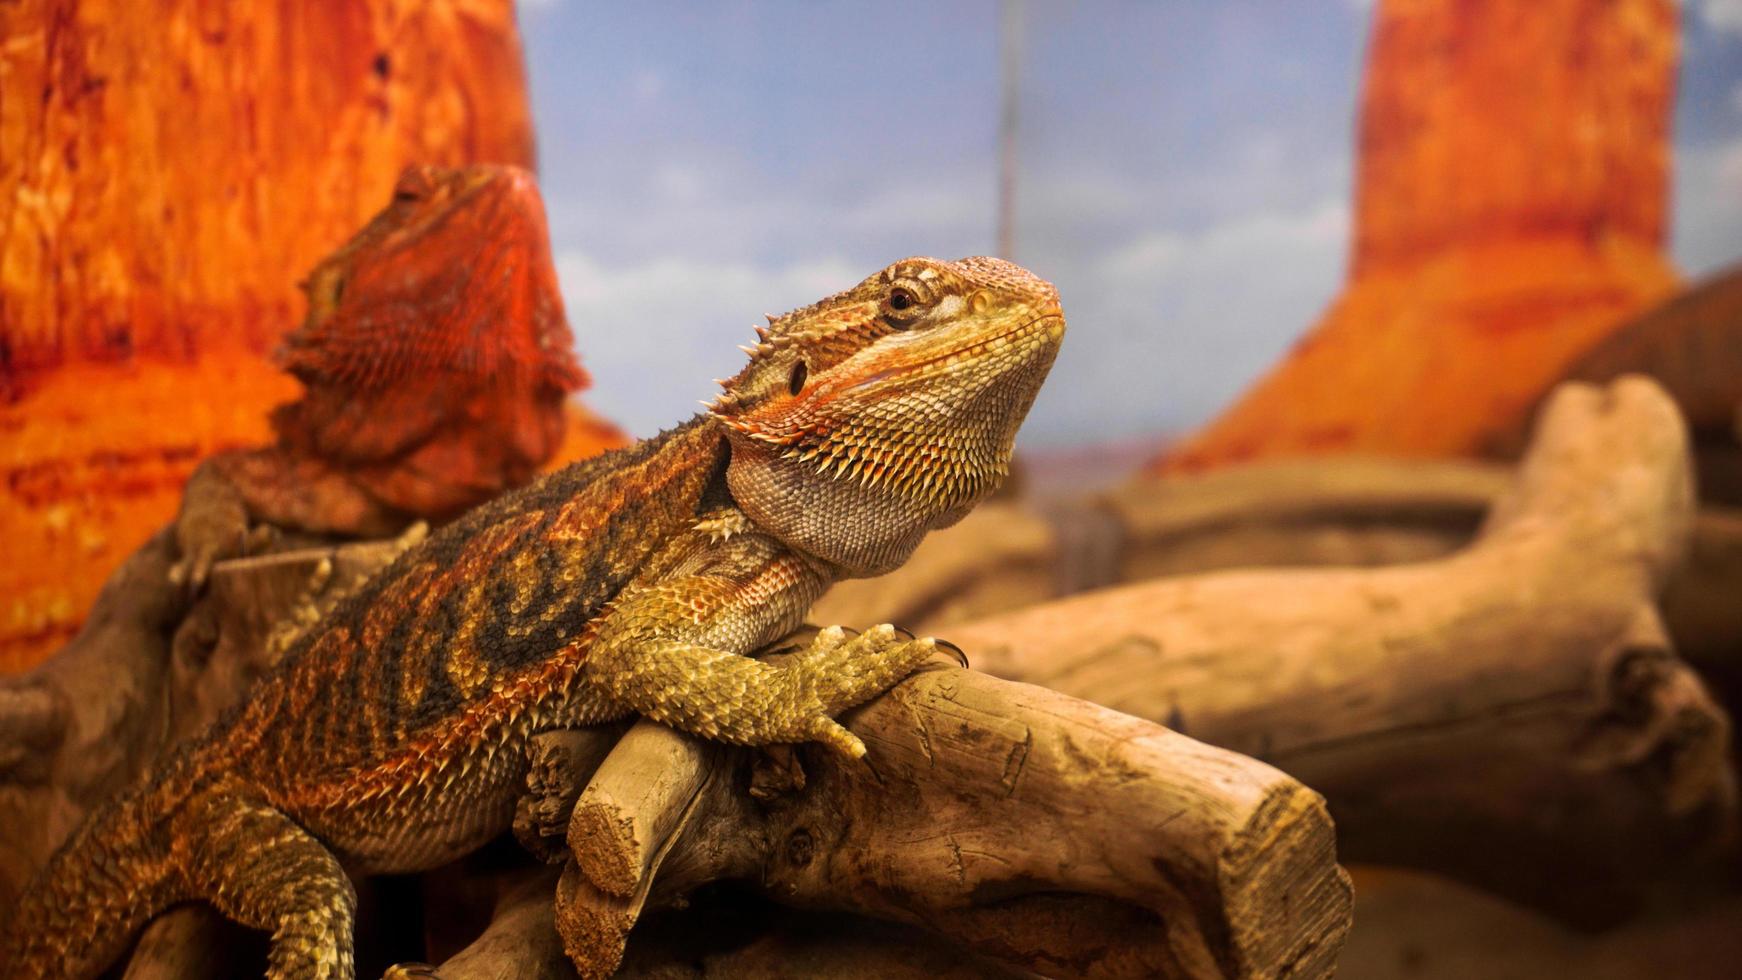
x=202, y=546
x=840, y=671
x=212, y=526
x=411, y=971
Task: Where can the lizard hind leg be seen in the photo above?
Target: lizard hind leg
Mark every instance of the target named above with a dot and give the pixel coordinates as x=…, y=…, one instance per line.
x=259, y=868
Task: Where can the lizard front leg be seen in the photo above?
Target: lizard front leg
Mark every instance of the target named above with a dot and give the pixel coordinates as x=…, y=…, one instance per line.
x=233, y=500
x=673, y=650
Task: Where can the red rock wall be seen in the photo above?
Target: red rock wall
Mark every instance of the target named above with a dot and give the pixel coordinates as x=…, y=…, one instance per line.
x=168, y=170
x=1511, y=197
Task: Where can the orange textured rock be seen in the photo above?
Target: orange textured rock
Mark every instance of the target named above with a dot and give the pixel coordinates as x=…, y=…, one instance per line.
x=174, y=170
x=1510, y=212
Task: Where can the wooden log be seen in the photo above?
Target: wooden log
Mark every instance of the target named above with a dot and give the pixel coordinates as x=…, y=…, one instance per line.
x=195, y=943
x=1703, y=603
x=1028, y=826
x=1513, y=715
x=559, y=764
x=1427, y=928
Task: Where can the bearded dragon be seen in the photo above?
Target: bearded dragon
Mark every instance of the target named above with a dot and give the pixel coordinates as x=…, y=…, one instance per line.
x=435, y=358
x=392, y=736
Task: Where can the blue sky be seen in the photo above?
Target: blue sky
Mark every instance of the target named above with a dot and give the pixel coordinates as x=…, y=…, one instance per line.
x=1185, y=179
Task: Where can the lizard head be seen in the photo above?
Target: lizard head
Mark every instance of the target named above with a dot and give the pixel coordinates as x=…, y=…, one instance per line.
x=866, y=419
x=452, y=278
x=436, y=354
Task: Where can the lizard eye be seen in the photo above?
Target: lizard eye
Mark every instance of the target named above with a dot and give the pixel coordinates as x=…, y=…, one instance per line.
x=414, y=184
x=795, y=383
x=901, y=306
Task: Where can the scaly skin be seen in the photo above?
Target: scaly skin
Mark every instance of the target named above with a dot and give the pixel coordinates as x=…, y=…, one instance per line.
x=436, y=358
x=392, y=737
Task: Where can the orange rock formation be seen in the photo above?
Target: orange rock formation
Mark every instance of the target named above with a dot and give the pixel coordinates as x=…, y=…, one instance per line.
x=168, y=170
x=1510, y=212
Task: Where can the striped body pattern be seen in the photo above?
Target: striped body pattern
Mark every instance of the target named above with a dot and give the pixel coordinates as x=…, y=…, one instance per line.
x=392, y=735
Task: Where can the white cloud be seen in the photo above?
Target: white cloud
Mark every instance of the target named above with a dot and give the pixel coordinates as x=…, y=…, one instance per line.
x=1723, y=16
x=1149, y=256
x=679, y=183
x=1197, y=314
x=1197, y=282
x=1707, y=207
x=653, y=333
x=1246, y=239
x=1179, y=285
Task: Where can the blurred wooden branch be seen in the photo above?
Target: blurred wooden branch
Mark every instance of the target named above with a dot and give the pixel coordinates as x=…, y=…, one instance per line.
x=1512, y=715
x=80, y=727
x=1352, y=511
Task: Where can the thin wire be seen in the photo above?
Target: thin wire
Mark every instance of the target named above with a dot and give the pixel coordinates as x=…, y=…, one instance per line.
x=1010, y=59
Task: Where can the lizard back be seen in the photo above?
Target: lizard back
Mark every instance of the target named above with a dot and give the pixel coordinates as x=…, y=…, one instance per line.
x=482, y=620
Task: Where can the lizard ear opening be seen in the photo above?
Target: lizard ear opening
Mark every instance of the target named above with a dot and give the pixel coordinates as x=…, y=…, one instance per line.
x=795, y=383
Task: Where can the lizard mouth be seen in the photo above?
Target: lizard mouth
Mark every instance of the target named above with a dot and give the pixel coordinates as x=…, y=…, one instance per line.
x=1052, y=321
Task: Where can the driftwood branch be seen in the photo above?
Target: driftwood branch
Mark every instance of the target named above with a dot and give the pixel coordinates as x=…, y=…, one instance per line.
x=1512, y=715
x=80, y=727
x=1029, y=826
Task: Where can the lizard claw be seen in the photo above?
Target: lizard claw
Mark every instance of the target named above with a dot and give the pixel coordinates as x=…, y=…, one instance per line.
x=954, y=651
x=212, y=526
x=259, y=538
x=832, y=734
x=196, y=564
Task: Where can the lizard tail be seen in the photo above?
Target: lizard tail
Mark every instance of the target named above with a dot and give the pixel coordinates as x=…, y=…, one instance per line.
x=85, y=906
